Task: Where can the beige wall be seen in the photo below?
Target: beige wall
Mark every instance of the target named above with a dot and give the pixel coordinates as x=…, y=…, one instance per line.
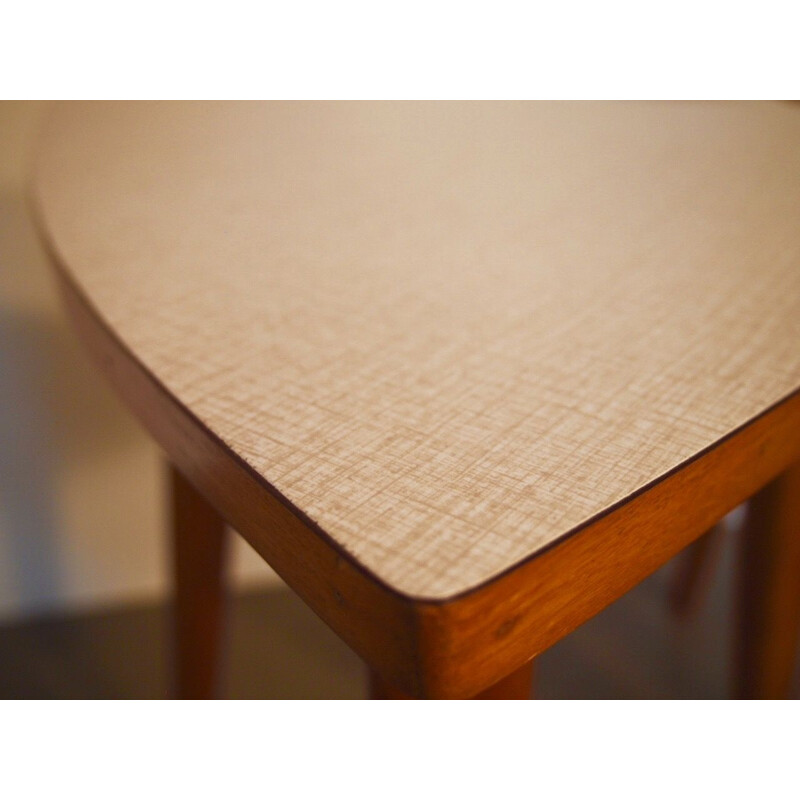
x=81, y=497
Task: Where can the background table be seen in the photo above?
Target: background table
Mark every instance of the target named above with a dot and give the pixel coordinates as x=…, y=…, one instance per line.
x=462, y=373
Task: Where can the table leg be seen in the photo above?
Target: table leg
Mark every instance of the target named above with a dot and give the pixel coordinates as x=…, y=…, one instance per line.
x=516, y=686
x=768, y=618
x=198, y=550
x=692, y=571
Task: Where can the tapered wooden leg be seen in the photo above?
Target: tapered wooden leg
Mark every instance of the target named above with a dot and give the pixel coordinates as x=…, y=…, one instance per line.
x=516, y=686
x=198, y=545
x=768, y=618
x=693, y=570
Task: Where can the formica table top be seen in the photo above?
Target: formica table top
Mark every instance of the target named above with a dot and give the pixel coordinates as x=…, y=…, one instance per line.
x=448, y=333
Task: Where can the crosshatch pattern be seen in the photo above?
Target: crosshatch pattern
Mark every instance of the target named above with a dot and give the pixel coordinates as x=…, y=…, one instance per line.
x=448, y=333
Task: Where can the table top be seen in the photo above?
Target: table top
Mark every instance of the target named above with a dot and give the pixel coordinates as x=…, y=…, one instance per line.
x=447, y=334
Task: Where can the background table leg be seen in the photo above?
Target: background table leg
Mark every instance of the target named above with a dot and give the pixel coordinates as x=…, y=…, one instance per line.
x=198, y=545
x=516, y=686
x=768, y=618
x=692, y=573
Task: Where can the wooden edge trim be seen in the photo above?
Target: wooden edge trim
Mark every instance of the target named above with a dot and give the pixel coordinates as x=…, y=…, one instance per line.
x=472, y=642
x=457, y=646
x=378, y=624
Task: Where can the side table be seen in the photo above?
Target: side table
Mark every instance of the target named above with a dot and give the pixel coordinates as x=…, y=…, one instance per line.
x=462, y=373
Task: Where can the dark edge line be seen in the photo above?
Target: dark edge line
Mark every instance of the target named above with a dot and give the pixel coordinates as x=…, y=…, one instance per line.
x=59, y=265
x=633, y=495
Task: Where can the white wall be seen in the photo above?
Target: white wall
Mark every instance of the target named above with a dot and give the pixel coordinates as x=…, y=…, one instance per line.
x=81, y=497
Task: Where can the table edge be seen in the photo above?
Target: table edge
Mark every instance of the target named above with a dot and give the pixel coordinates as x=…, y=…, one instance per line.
x=458, y=644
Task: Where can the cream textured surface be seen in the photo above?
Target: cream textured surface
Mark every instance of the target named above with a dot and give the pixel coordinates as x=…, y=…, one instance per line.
x=449, y=333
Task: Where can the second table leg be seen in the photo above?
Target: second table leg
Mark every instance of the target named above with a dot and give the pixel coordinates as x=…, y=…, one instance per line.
x=768, y=618
x=198, y=551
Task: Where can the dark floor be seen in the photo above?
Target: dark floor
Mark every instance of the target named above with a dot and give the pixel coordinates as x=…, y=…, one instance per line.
x=279, y=649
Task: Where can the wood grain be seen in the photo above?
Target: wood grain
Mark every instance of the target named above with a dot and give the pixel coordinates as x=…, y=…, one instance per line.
x=447, y=333
x=482, y=636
